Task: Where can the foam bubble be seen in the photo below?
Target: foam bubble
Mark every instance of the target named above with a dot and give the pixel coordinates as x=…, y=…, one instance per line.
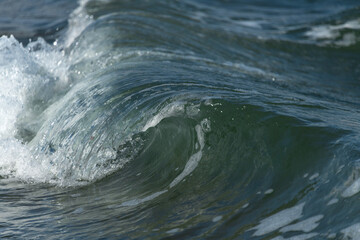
x=173, y=231
x=315, y=175
x=269, y=191
x=217, y=218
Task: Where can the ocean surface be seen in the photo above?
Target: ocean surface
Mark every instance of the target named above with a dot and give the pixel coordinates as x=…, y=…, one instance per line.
x=186, y=119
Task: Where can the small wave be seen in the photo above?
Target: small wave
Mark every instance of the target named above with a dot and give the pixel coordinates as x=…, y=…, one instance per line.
x=198, y=128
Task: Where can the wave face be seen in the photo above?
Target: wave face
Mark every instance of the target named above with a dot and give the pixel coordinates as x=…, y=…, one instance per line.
x=184, y=119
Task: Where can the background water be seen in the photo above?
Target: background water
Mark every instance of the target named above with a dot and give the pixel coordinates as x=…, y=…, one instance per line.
x=180, y=119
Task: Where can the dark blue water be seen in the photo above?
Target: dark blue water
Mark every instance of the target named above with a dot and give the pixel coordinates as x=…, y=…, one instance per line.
x=179, y=119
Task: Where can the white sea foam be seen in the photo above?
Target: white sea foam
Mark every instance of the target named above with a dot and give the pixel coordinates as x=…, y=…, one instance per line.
x=78, y=21
x=193, y=161
x=278, y=220
x=353, y=189
x=24, y=74
x=31, y=78
x=174, y=109
x=331, y=235
x=315, y=175
x=250, y=24
x=269, y=191
x=245, y=205
x=217, y=218
x=297, y=237
x=138, y=201
x=306, y=225
x=352, y=232
x=23, y=71
x=332, y=201
x=331, y=34
x=173, y=231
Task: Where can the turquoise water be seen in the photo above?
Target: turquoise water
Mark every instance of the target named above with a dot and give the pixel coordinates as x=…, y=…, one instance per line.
x=179, y=119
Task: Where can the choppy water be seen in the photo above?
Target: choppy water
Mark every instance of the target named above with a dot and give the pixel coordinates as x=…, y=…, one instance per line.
x=180, y=119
